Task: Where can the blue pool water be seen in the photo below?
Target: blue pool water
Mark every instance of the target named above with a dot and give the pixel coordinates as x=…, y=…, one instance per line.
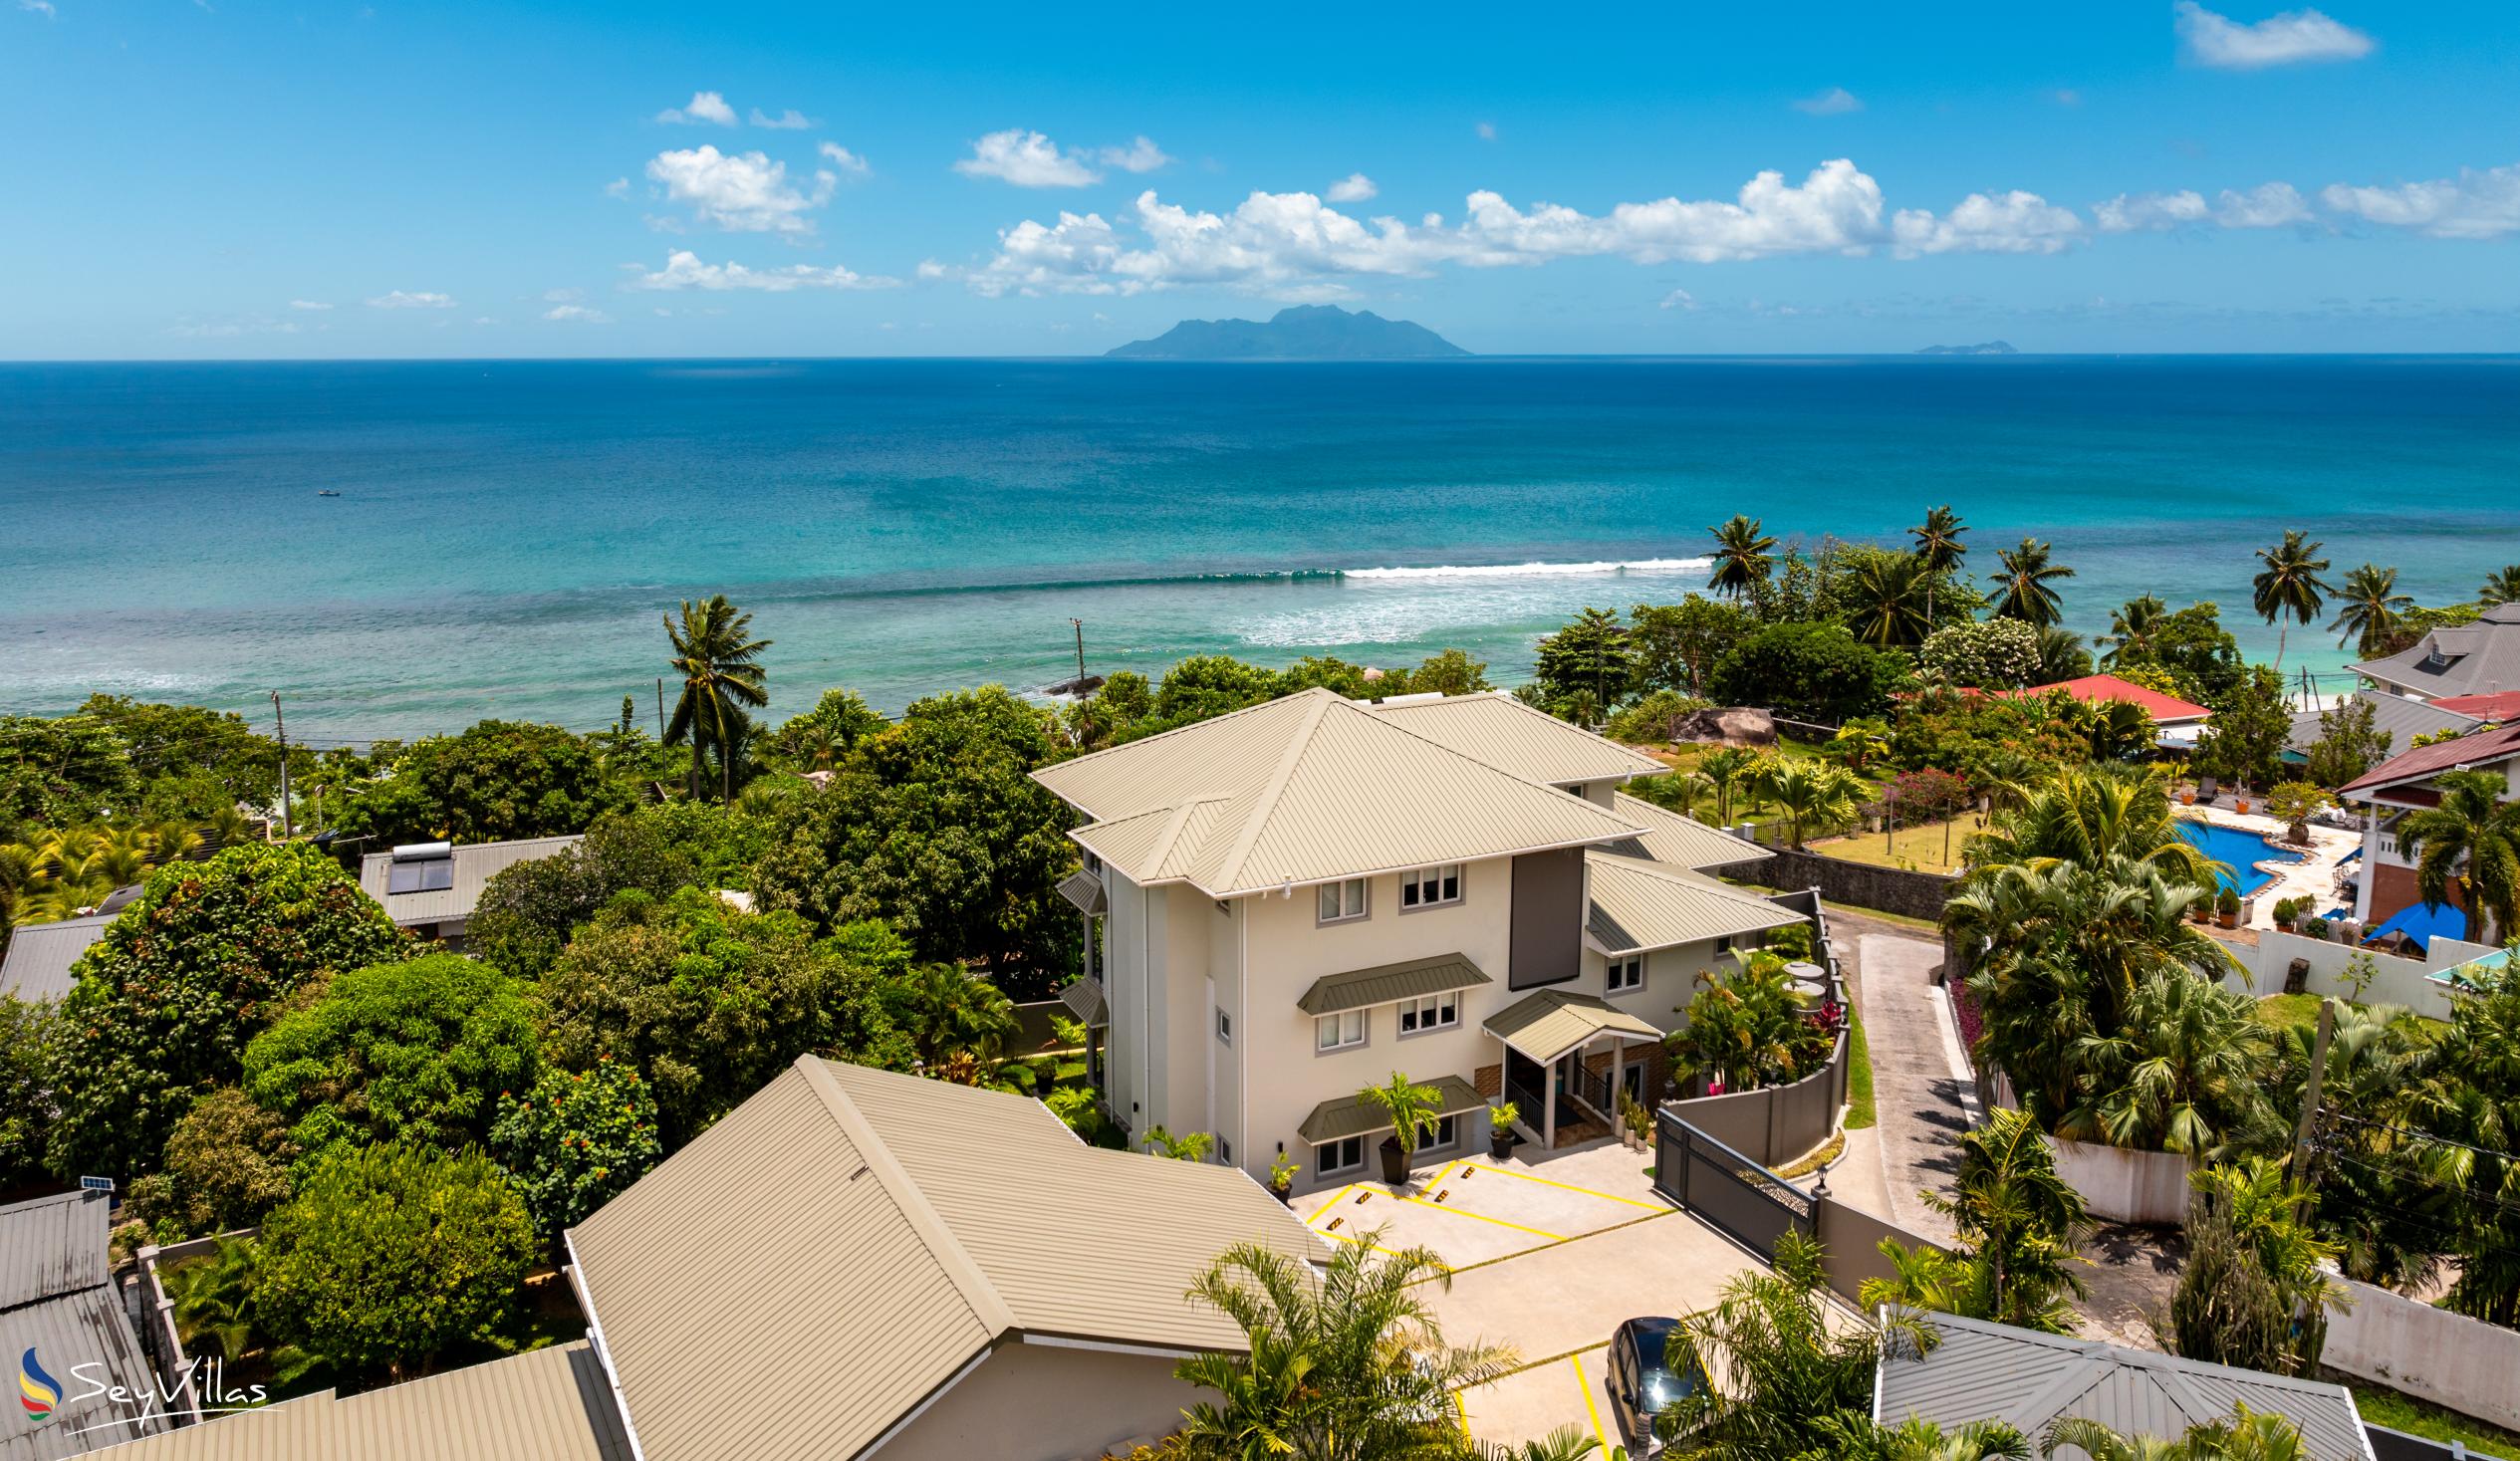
x=2240, y=850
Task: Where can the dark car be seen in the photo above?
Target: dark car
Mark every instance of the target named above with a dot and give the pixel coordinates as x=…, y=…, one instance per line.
x=1643, y=1382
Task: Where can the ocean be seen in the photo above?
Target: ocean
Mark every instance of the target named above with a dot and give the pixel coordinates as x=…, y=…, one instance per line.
x=508, y=534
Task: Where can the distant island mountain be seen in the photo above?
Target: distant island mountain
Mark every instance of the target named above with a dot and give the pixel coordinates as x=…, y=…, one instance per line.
x=1299, y=333
x=1990, y=348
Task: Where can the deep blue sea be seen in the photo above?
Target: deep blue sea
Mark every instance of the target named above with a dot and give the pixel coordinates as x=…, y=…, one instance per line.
x=508, y=533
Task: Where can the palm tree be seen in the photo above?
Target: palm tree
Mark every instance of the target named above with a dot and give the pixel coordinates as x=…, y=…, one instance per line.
x=1862, y=1439
x=2021, y=590
x=1814, y=794
x=214, y=1297
x=1939, y=548
x=1726, y=770
x=720, y=662
x=2020, y=1222
x=1345, y=1364
x=2183, y=1074
x=2090, y=816
x=1190, y=1146
x=1566, y=1443
x=2247, y=1435
x=2470, y=842
x=1412, y=1110
x=1889, y=601
x=1743, y=556
x=946, y=1011
x=2289, y=585
x=2131, y=627
x=2369, y=608
x=1859, y=741
x=2502, y=586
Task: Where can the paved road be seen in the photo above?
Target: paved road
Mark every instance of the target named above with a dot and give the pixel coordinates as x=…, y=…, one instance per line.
x=1914, y=1085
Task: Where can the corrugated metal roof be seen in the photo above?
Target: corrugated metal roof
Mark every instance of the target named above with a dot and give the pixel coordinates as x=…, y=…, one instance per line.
x=1639, y=904
x=1083, y=890
x=550, y=1404
x=1683, y=841
x=2401, y=718
x=1084, y=999
x=1547, y=1024
x=83, y=1328
x=475, y=865
x=1387, y=983
x=1502, y=731
x=2487, y=748
x=37, y=966
x=888, y=1203
x=1990, y=1372
x=49, y=1246
x=1316, y=789
x=1355, y=1116
x=2464, y=660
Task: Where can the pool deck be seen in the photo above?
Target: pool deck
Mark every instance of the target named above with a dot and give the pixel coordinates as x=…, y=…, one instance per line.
x=2314, y=879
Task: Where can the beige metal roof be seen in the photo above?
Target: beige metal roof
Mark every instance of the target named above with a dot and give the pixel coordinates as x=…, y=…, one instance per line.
x=1084, y=999
x=38, y=963
x=1355, y=1116
x=51, y=1246
x=1991, y=1371
x=57, y=1301
x=1639, y=904
x=1683, y=841
x=1386, y=983
x=1547, y=1024
x=550, y=1404
x=475, y=865
x=1505, y=733
x=1306, y=789
x=1083, y=890
x=906, y=1214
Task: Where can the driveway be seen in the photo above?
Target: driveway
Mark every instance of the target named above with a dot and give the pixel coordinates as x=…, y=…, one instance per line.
x=1474, y=1211
x=1920, y=1085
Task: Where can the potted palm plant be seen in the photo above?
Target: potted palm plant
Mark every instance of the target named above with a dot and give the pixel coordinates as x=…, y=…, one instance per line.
x=1500, y=1129
x=1282, y=1180
x=1412, y=1110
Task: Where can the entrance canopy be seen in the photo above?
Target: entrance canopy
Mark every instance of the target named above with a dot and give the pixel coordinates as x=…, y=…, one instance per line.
x=1553, y=1021
x=1355, y=1116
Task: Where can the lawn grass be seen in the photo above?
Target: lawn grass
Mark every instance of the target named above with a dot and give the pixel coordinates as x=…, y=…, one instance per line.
x=1922, y=848
x=2282, y=1011
x=1860, y=1112
x=2380, y=1405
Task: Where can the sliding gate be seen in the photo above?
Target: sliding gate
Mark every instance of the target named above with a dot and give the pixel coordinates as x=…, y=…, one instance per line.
x=1742, y=1199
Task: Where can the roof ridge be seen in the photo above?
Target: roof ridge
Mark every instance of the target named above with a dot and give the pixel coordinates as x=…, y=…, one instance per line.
x=1478, y=761
x=1268, y=705
x=1275, y=787
x=987, y=1305
x=1377, y=711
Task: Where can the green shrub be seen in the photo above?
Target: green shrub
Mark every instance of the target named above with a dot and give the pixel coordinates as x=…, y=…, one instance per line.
x=576, y=1140
x=226, y=1165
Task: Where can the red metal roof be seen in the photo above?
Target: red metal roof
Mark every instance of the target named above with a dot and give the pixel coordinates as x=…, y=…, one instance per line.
x=2500, y=705
x=2477, y=748
x=2100, y=689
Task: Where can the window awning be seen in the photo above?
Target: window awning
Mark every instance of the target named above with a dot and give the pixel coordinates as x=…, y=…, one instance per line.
x=1388, y=983
x=1355, y=1116
x=1549, y=1024
x=1084, y=890
x=1084, y=999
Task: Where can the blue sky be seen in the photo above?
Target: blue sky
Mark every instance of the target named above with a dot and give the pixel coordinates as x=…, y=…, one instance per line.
x=230, y=180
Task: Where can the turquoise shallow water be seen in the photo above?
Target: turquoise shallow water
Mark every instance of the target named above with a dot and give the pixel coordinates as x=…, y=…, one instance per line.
x=508, y=533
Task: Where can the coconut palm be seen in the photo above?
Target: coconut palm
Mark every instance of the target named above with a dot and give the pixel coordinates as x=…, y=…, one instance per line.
x=2131, y=627
x=2502, y=586
x=2470, y=843
x=2289, y=585
x=720, y=666
x=2088, y=816
x=1743, y=556
x=2021, y=590
x=1888, y=602
x=2369, y=608
x=1939, y=548
x=1346, y=1363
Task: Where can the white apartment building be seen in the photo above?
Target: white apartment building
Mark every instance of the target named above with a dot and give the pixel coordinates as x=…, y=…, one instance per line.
x=1298, y=900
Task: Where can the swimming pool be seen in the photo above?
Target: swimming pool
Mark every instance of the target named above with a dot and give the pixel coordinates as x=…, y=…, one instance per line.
x=2241, y=850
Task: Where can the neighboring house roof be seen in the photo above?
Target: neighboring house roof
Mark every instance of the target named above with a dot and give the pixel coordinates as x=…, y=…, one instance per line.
x=2481, y=749
x=475, y=865
x=883, y=1231
x=1084, y=999
x=1683, y=842
x=1353, y=1116
x=1991, y=1371
x=2101, y=689
x=1083, y=890
x=2498, y=706
x=1389, y=983
x=1307, y=788
x=2461, y=659
x=1502, y=731
x=549, y=1405
x=58, y=1304
x=2401, y=718
x=1547, y=1024
x=38, y=964
x=1639, y=904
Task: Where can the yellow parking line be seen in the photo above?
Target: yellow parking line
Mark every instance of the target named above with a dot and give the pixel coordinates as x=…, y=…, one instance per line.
x=1377, y=1246
x=1482, y=1217
x=1590, y=1409
x=1571, y=1187
x=1330, y=1208
x=1461, y=1408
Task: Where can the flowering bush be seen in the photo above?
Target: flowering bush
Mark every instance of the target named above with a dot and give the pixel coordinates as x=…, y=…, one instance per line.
x=1927, y=795
x=576, y=1140
x=1994, y=654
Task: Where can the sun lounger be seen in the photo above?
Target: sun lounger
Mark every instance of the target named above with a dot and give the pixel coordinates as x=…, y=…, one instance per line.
x=2207, y=789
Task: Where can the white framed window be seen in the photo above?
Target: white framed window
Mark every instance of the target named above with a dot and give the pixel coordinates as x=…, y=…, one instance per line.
x=1345, y=1155
x=1428, y=887
x=1224, y=1151
x=1723, y=943
x=1435, y=1011
x=1448, y=1131
x=1628, y=974
x=1224, y=1025
x=1343, y=901
x=1341, y=1031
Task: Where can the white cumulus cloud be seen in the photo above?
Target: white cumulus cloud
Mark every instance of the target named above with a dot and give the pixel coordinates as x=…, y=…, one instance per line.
x=617, y=189
x=2016, y=222
x=742, y=193
x=2268, y=205
x=396, y=299
x=1141, y=156
x=1355, y=188
x=2473, y=205
x=842, y=158
x=309, y=304
x=1026, y=160
x=788, y=120
x=683, y=270
x=43, y=8
x=2287, y=39
x=578, y=314
x=1679, y=299
x=1829, y=103
x=704, y=107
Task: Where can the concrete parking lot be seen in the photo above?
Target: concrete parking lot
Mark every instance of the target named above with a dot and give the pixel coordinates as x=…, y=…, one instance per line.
x=1475, y=1211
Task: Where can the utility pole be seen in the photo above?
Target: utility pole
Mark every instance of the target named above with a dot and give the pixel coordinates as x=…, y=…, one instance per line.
x=661, y=710
x=280, y=725
x=2310, y=1106
x=1080, y=629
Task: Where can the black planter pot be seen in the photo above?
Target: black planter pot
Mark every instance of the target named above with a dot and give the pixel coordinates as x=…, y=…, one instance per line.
x=1284, y=1195
x=1394, y=1162
x=1500, y=1143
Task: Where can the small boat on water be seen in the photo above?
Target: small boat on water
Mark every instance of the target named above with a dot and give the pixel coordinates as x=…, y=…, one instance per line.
x=326, y=492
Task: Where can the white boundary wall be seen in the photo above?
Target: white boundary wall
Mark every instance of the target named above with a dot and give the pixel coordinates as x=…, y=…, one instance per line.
x=2124, y=1185
x=2398, y=981
x=2469, y=1365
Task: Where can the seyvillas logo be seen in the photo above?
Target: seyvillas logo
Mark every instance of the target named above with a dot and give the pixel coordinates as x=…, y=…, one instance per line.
x=38, y=1391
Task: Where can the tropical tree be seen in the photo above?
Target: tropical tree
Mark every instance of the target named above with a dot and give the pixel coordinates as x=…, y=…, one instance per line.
x=2019, y=1224
x=2263, y=1207
x=1188, y=1146
x=1992, y=654
x=576, y=1140
x=1888, y=602
x=1939, y=548
x=2021, y=590
x=1410, y=1107
x=1743, y=556
x=2367, y=608
x=1862, y=1439
x=1858, y=742
x=1812, y=794
x=1344, y=1362
x=2184, y=1071
x=1727, y=770
x=1566, y=1443
x=720, y=662
x=2090, y=816
x=2131, y=627
x=2467, y=1091
x=2245, y=1435
x=2502, y=586
x=213, y=1296
x=2289, y=585
x=1751, y=1026
x=225, y=1165
x=496, y=780
x=1588, y=657
x=2470, y=843
x=946, y=1011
